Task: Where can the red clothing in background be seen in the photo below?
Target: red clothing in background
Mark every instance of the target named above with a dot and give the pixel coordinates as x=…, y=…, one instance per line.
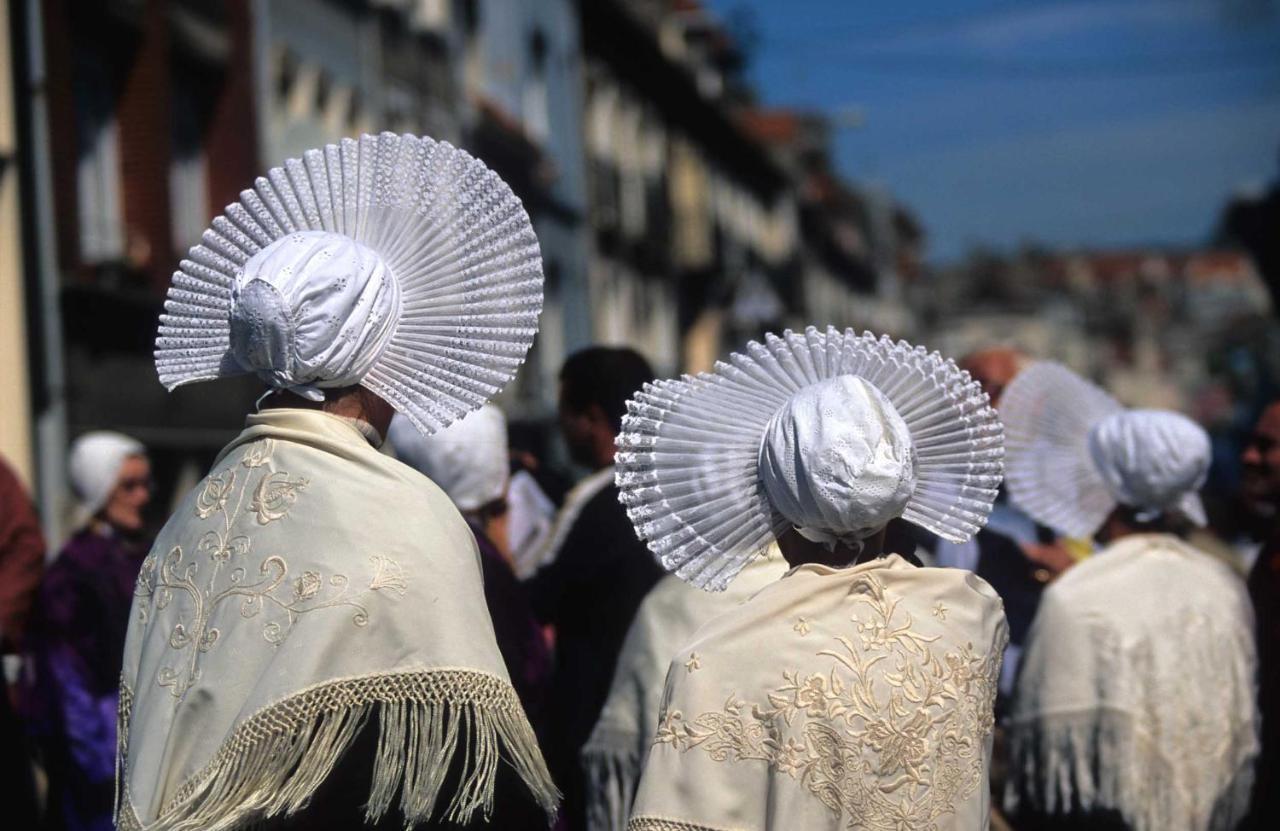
x=21, y=559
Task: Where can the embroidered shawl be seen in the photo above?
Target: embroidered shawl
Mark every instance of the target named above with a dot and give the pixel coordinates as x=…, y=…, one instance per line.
x=1136, y=692
x=856, y=698
x=308, y=587
x=669, y=616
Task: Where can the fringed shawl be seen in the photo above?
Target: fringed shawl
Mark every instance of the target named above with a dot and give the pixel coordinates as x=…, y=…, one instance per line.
x=669, y=617
x=307, y=589
x=833, y=699
x=1136, y=693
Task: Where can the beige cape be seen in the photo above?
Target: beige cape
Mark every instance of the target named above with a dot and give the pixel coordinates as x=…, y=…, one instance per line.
x=1136, y=691
x=307, y=587
x=858, y=698
x=669, y=616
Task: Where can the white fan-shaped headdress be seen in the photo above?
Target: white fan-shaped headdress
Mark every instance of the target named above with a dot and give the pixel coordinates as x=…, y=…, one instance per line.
x=449, y=272
x=689, y=454
x=1074, y=453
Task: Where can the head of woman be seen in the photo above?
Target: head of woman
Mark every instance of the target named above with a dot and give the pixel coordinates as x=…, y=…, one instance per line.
x=111, y=477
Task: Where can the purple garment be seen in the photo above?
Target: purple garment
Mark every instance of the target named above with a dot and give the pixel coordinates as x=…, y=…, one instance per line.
x=519, y=634
x=77, y=645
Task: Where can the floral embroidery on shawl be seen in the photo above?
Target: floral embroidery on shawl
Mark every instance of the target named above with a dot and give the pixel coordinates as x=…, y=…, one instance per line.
x=891, y=737
x=221, y=570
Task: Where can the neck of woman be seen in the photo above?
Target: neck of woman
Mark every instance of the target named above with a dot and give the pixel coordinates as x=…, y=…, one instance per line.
x=797, y=550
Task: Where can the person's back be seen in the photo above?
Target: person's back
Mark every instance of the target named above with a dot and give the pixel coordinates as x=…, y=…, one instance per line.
x=835, y=698
x=247, y=581
x=857, y=690
x=1136, y=692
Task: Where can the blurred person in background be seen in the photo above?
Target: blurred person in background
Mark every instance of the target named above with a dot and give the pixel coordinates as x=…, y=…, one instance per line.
x=468, y=459
x=1261, y=492
x=78, y=631
x=596, y=572
x=1134, y=707
x=534, y=494
x=1012, y=552
x=21, y=565
x=21, y=560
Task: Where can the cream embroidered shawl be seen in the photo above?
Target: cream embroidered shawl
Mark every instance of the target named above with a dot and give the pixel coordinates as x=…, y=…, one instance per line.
x=1136, y=691
x=669, y=616
x=308, y=586
x=858, y=698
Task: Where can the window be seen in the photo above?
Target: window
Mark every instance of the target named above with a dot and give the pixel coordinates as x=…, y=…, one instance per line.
x=98, y=186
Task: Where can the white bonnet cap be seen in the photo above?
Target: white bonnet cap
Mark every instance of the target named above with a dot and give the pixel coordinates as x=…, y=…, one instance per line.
x=468, y=459
x=313, y=310
x=1153, y=460
x=837, y=461
x=94, y=467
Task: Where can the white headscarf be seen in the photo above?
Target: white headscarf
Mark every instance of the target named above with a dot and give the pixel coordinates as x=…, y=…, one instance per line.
x=1153, y=460
x=94, y=467
x=1074, y=453
x=313, y=310
x=837, y=461
x=467, y=459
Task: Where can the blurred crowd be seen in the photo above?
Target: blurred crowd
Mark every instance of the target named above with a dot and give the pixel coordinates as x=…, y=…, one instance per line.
x=565, y=578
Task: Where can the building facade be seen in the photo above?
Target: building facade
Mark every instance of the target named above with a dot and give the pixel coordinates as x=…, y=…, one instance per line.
x=669, y=219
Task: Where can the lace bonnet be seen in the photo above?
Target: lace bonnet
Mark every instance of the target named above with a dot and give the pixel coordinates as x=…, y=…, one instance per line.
x=395, y=262
x=1074, y=454
x=832, y=433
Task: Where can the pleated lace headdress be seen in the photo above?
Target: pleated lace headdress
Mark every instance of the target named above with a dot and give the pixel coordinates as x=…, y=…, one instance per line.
x=833, y=433
x=395, y=262
x=1075, y=453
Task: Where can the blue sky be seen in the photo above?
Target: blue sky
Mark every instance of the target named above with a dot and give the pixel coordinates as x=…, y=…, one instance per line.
x=1073, y=123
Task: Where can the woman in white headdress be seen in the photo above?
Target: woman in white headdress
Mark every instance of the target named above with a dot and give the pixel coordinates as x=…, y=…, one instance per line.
x=857, y=691
x=313, y=612
x=1134, y=706
x=79, y=624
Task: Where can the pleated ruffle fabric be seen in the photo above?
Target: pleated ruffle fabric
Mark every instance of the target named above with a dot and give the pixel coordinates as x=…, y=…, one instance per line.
x=453, y=245
x=688, y=461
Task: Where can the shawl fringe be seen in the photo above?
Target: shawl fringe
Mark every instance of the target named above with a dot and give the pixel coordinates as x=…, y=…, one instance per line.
x=663, y=824
x=613, y=773
x=276, y=760
x=1059, y=760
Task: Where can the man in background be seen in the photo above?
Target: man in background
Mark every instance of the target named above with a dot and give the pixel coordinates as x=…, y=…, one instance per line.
x=596, y=572
x=1261, y=490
